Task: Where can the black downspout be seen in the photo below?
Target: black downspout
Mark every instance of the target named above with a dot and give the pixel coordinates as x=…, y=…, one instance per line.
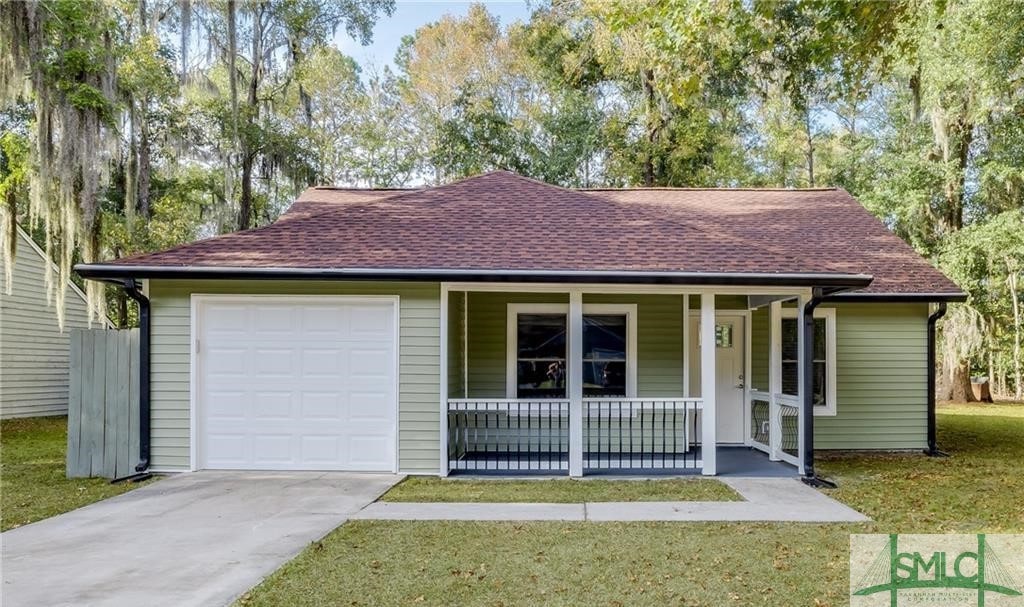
x=132, y=289
x=933, y=449
x=807, y=391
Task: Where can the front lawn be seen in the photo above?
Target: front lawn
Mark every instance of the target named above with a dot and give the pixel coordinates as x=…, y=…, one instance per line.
x=979, y=488
x=563, y=490
x=32, y=481
x=714, y=564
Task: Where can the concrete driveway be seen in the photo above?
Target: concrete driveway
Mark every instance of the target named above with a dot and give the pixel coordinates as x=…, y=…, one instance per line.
x=194, y=539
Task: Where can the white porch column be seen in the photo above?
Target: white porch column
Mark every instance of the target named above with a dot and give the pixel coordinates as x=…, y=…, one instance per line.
x=800, y=301
x=574, y=366
x=708, y=379
x=443, y=382
x=774, y=379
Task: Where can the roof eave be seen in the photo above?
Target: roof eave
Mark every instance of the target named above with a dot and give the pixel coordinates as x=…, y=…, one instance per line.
x=855, y=297
x=832, y=282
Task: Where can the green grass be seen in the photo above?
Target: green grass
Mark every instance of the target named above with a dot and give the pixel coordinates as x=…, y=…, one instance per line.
x=979, y=488
x=32, y=481
x=563, y=491
x=714, y=564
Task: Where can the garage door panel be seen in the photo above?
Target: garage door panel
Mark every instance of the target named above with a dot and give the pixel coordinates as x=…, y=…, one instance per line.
x=225, y=320
x=227, y=406
x=272, y=449
x=220, y=361
x=373, y=365
x=227, y=448
x=274, y=362
x=321, y=449
x=321, y=406
x=370, y=321
x=300, y=386
x=323, y=362
x=325, y=320
x=273, y=406
x=369, y=406
x=271, y=321
x=369, y=452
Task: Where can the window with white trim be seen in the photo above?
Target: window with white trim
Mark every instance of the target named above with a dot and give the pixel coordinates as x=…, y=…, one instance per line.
x=538, y=347
x=823, y=366
x=540, y=355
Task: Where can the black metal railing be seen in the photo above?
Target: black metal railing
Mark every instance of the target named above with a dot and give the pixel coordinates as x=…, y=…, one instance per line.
x=760, y=421
x=789, y=424
x=631, y=434
x=505, y=435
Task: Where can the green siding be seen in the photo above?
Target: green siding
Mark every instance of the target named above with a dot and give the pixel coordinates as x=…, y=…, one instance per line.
x=487, y=332
x=759, y=344
x=659, y=340
x=881, y=383
x=456, y=354
x=881, y=351
x=419, y=364
x=881, y=376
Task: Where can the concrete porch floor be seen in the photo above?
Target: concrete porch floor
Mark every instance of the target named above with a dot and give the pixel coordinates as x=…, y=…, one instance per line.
x=736, y=461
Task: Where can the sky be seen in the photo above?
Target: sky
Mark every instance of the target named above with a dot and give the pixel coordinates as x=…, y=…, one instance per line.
x=409, y=15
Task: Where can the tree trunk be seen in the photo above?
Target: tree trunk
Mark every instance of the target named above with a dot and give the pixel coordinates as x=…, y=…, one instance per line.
x=245, y=210
x=961, y=391
x=122, y=308
x=652, y=134
x=1014, y=297
x=232, y=73
x=145, y=167
x=960, y=139
x=245, y=205
x=810, y=148
x=915, y=94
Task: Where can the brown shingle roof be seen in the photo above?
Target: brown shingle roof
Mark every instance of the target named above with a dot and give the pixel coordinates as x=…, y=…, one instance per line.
x=501, y=221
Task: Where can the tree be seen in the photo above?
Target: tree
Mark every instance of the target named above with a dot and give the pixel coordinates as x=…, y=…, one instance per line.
x=987, y=260
x=262, y=45
x=61, y=58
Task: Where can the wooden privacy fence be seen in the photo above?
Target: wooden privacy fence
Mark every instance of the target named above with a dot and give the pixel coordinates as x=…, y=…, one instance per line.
x=103, y=403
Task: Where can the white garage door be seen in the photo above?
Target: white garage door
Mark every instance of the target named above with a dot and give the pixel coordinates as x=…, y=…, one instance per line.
x=296, y=383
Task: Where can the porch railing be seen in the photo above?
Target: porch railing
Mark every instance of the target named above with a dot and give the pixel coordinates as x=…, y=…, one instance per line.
x=508, y=435
x=775, y=429
x=619, y=434
x=788, y=422
x=630, y=434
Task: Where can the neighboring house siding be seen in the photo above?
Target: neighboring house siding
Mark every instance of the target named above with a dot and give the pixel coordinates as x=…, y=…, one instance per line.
x=419, y=363
x=881, y=376
x=33, y=349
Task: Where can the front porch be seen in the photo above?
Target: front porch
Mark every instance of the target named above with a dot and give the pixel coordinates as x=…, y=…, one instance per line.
x=640, y=380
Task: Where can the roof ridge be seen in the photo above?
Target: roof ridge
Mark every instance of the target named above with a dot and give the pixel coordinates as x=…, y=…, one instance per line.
x=337, y=188
x=707, y=189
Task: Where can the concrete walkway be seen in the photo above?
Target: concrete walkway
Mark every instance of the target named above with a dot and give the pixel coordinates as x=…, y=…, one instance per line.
x=193, y=539
x=766, y=499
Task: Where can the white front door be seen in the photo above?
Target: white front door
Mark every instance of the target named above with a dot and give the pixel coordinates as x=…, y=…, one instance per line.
x=730, y=363
x=295, y=383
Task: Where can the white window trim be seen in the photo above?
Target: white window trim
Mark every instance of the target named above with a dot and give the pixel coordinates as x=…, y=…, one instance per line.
x=829, y=315
x=512, y=338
